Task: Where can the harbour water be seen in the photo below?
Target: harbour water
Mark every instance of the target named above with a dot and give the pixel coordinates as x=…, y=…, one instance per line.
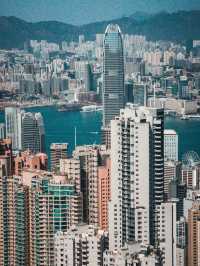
x=60, y=127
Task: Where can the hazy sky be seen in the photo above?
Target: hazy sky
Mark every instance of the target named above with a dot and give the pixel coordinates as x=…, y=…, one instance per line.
x=84, y=11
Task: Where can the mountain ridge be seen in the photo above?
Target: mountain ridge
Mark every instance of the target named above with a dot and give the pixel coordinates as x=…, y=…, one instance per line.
x=179, y=26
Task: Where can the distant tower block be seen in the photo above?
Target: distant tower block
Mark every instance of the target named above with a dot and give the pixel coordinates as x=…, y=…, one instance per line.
x=58, y=151
x=106, y=137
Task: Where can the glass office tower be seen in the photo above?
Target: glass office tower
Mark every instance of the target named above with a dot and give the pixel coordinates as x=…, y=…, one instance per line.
x=113, y=74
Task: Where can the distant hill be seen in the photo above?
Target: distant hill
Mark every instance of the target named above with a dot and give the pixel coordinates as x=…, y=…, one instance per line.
x=179, y=26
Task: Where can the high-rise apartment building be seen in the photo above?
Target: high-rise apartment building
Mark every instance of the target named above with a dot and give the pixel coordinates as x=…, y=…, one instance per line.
x=58, y=151
x=170, y=145
x=137, y=174
x=33, y=134
x=14, y=126
x=84, y=74
x=166, y=222
x=106, y=137
x=71, y=168
x=52, y=205
x=13, y=211
x=113, y=73
x=194, y=235
x=190, y=176
x=177, y=191
x=181, y=242
x=7, y=205
x=90, y=158
x=172, y=171
x=6, y=157
x=80, y=245
x=104, y=193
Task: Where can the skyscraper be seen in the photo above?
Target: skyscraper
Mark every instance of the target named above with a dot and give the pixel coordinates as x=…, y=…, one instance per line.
x=170, y=145
x=13, y=126
x=25, y=129
x=166, y=222
x=113, y=74
x=137, y=175
x=140, y=93
x=33, y=132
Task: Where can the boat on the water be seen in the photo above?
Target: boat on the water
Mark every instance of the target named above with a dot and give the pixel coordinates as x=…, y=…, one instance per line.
x=70, y=107
x=91, y=108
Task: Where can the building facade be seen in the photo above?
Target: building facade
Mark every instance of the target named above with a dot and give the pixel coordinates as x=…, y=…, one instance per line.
x=113, y=73
x=33, y=134
x=80, y=245
x=171, y=145
x=194, y=235
x=58, y=151
x=14, y=126
x=137, y=175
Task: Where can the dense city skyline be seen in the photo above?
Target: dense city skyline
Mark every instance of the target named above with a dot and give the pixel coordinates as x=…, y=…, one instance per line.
x=83, y=12
x=129, y=195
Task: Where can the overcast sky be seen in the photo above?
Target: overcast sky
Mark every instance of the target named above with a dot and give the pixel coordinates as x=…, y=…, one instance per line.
x=85, y=11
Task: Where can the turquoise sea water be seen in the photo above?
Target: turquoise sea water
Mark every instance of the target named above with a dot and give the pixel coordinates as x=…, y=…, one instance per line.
x=60, y=127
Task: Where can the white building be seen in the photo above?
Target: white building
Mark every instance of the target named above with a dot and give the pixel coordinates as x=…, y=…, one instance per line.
x=170, y=145
x=130, y=255
x=181, y=249
x=180, y=106
x=180, y=256
x=172, y=171
x=14, y=126
x=166, y=231
x=133, y=156
x=71, y=169
x=80, y=245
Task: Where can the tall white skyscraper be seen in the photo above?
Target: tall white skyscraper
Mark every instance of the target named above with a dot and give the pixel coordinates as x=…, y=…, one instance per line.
x=170, y=145
x=137, y=175
x=14, y=126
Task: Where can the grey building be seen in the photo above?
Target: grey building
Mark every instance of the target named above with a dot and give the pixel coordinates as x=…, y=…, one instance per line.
x=140, y=94
x=33, y=135
x=113, y=73
x=2, y=131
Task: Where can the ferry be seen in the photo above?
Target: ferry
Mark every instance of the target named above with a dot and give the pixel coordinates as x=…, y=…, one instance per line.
x=188, y=117
x=184, y=117
x=91, y=108
x=70, y=107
